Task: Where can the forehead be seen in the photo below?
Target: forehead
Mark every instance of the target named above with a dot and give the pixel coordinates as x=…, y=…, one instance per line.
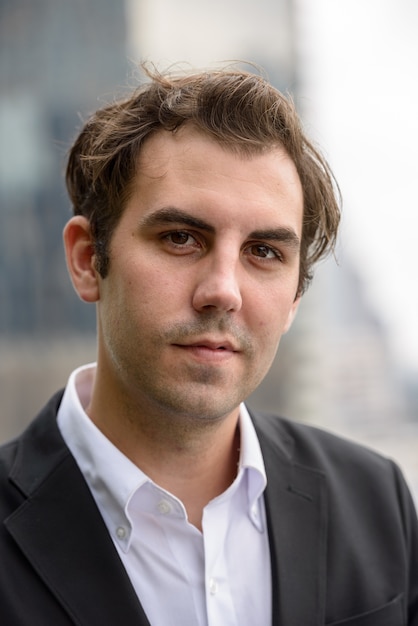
x=190, y=168
x=191, y=144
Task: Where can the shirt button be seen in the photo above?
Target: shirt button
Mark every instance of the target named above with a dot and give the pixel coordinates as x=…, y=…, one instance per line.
x=121, y=532
x=213, y=586
x=164, y=507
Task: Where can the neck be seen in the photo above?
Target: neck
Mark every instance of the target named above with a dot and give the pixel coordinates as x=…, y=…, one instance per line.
x=198, y=476
x=194, y=459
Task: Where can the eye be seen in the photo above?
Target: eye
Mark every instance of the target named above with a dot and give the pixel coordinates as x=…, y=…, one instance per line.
x=262, y=251
x=180, y=241
x=180, y=238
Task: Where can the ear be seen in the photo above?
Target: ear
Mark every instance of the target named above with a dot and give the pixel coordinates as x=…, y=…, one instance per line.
x=292, y=314
x=79, y=253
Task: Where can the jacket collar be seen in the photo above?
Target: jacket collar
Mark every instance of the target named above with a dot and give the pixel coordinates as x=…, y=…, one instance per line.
x=59, y=524
x=297, y=525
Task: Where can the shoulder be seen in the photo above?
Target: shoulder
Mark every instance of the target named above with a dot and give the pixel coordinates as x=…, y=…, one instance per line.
x=363, y=489
x=309, y=444
x=38, y=445
x=344, y=464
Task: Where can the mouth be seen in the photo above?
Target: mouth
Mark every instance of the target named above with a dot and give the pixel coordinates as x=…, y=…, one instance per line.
x=209, y=350
x=214, y=345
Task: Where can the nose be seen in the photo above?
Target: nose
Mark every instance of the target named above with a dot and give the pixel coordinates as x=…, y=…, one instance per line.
x=217, y=286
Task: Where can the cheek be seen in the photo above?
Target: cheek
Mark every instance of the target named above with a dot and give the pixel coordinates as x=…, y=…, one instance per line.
x=155, y=291
x=270, y=321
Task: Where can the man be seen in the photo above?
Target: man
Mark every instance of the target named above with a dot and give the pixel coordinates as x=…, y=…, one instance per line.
x=146, y=493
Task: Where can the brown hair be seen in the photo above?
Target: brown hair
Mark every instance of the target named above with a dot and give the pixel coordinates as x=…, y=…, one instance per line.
x=240, y=110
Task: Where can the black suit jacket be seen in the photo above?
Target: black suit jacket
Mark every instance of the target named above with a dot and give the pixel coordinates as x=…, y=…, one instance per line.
x=342, y=528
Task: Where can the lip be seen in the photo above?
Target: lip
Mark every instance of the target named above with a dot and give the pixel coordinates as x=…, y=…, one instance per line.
x=209, y=350
x=221, y=345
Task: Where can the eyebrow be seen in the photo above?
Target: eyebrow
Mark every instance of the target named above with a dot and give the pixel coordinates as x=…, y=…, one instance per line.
x=172, y=215
x=282, y=235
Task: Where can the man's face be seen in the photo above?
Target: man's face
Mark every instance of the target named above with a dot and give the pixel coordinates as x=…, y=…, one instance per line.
x=203, y=276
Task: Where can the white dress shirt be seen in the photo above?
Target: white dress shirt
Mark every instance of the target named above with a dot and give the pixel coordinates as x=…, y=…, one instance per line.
x=183, y=577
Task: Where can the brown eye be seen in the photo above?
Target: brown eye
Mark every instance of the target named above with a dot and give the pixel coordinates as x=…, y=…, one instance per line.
x=264, y=252
x=179, y=238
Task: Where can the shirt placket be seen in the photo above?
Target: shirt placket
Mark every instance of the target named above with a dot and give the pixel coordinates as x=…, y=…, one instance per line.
x=219, y=604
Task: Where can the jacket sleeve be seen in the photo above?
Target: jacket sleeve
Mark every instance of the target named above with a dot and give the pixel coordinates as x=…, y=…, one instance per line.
x=410, y=526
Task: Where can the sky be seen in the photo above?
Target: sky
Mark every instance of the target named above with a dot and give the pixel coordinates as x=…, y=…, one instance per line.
x=358, y=91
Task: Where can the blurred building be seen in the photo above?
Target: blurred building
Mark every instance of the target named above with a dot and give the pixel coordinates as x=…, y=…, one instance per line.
x=58, y=58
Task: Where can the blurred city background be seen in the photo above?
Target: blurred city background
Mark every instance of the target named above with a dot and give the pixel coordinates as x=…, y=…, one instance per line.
x=350, y=362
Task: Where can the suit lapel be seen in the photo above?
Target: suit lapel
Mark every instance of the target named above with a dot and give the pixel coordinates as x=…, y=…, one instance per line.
x=297, y=524
x=62, y=534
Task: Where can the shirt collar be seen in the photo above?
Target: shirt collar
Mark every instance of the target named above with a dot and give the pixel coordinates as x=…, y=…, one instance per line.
x=111, y=476
x=114, y=479
x=251, y=462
